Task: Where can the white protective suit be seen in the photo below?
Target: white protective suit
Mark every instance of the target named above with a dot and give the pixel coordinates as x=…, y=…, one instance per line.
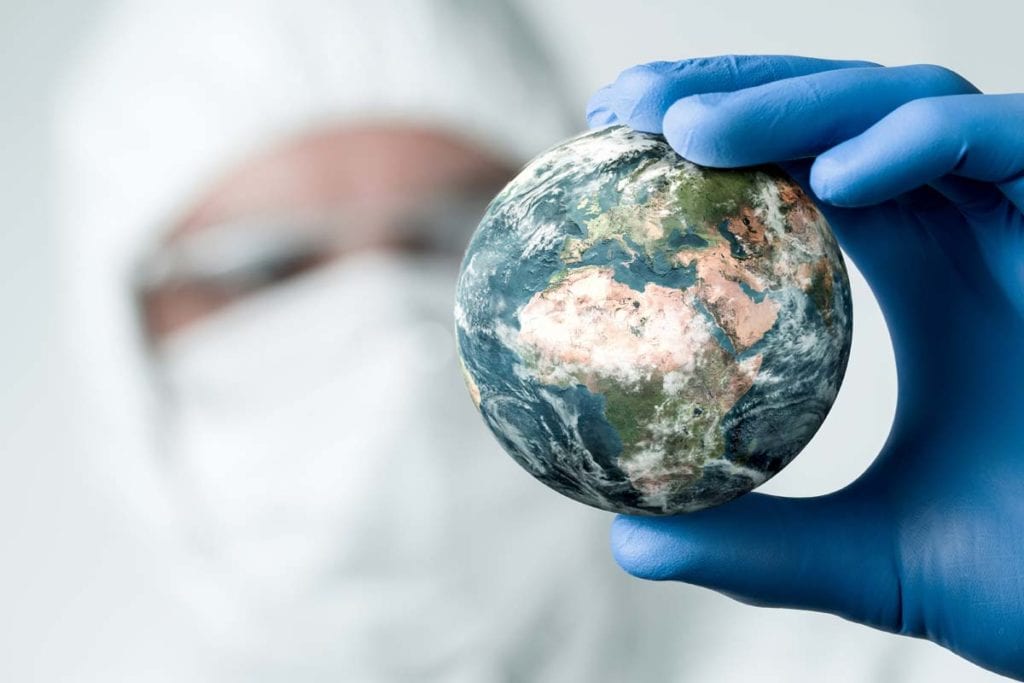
x=341, y=512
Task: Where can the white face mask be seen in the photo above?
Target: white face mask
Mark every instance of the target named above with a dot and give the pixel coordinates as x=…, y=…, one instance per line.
x=353, y=510
x=309, y=427
x=276, y=403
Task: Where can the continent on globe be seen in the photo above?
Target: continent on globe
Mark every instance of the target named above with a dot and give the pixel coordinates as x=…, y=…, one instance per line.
x=649, y=336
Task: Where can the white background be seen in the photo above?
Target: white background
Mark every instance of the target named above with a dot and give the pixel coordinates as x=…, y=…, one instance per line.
x=72, y=576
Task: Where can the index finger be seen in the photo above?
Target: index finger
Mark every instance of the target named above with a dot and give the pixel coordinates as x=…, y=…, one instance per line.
x=641, y=94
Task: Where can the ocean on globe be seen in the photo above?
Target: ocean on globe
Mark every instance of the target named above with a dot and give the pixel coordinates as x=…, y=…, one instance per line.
x=648, y=336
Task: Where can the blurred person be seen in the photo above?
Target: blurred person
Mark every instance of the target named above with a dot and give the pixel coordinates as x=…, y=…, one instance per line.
x=264, y=204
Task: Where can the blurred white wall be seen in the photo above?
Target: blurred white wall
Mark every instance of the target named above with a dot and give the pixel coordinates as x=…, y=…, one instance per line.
x=77, y=597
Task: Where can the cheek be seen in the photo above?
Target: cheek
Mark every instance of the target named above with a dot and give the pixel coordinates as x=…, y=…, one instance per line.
x=171, y=309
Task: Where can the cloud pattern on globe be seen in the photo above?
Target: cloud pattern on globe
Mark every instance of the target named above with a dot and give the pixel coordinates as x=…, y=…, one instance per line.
x=648, y=336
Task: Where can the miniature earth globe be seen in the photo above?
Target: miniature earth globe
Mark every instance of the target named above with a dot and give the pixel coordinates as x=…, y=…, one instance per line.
x=648, y=336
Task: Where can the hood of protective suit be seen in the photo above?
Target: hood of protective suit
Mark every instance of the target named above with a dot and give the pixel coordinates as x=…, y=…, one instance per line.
x=172, y=95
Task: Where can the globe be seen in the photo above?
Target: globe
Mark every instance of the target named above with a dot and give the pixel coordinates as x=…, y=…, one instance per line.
x=648, y=336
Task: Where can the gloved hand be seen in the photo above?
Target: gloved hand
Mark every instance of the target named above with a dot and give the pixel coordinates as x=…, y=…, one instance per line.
x=922, y=178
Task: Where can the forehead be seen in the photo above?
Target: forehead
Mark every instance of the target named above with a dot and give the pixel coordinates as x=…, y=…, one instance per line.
x=362, y=163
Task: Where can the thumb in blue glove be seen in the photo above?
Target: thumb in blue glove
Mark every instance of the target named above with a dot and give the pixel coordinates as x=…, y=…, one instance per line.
x=922, y=178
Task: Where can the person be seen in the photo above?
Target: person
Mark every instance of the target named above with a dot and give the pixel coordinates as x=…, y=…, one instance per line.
x=922, y=178
x=265, y=205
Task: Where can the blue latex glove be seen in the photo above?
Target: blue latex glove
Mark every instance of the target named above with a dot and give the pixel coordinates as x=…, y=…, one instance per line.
x=922, y=178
